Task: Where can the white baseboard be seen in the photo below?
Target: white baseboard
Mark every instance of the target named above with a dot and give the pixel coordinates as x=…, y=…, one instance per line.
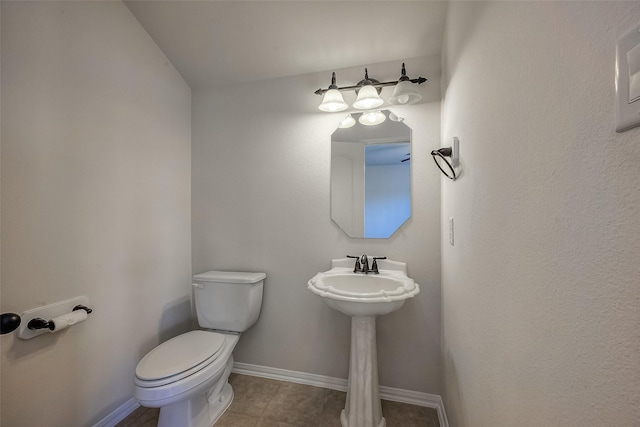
x=388, y=393
x=120, y=413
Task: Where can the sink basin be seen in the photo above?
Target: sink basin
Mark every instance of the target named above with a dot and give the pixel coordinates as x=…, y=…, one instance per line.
x=357, y=294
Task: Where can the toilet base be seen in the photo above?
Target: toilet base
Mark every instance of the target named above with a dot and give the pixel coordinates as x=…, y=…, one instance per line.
x=203, y=409
x=217, y=408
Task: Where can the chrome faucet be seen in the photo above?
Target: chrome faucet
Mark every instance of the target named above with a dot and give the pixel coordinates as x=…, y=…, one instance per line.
x=364, y=261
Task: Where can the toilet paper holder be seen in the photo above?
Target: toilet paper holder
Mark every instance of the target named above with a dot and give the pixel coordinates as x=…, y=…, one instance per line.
x=40, y=323
x=43, y=320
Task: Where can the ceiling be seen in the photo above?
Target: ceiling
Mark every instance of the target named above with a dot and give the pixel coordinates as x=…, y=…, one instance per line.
x=221, y=43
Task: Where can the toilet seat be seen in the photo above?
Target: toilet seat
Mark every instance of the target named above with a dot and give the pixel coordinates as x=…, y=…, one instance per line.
x=166, y=391
x=179, y=358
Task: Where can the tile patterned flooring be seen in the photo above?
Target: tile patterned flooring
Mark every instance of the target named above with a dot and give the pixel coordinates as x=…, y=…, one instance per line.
x=261, y=402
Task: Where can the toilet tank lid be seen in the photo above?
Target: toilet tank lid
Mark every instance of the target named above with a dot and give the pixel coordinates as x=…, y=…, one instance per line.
x=229, y=277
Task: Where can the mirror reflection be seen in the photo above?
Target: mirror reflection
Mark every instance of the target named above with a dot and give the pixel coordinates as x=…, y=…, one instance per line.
x=371, y=175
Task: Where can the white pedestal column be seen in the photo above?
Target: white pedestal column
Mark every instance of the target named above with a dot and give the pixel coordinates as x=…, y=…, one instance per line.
x=363, y=408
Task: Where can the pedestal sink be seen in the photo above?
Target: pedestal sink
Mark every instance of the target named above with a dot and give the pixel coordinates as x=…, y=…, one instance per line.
x=363, y=297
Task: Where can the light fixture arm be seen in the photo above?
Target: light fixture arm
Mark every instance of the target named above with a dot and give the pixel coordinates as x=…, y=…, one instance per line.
x=333, y=82
x=366, y=80
x=403, y=76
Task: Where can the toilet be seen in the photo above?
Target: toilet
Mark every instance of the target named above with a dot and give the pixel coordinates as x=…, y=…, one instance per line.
x=187, y=376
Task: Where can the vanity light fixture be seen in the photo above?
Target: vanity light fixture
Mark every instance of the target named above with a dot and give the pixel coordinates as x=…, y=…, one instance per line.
x=368, y=91
x=372, y=118
x=333, y=100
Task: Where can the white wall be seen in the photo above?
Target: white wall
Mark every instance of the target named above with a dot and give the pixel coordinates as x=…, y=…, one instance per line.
x=541, y=296
x=95, y=202
x=260, y=177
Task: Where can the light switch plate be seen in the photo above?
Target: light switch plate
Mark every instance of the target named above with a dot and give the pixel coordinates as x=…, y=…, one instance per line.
x=628, y=80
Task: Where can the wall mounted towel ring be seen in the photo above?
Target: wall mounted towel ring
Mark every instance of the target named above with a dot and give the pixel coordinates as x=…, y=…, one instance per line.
x=443, y=153
x=452, y=153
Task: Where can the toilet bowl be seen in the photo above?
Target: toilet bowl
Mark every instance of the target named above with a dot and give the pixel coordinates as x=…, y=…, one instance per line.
x=187, y=376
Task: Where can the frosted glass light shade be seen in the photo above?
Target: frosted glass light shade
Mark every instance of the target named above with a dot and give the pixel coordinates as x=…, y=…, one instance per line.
x=347, y=122
x=372, y=118
x=333, y=101
x=404, y=93
x=368, y=98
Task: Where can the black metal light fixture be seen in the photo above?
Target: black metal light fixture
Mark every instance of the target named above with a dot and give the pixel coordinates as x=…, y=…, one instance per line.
x=368, y=90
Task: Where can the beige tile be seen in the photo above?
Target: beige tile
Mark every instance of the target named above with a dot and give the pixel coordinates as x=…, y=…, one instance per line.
x=251, y=394
x=296, y=404
x=141, y=417
x=405, y=415
x=270, y=423
x=233, y=419
x=333, y=406
x=260, y=402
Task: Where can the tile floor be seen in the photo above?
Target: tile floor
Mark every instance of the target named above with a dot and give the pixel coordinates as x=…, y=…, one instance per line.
x=261, y=402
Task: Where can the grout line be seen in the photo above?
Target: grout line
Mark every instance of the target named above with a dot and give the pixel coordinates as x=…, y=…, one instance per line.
x=269, y=403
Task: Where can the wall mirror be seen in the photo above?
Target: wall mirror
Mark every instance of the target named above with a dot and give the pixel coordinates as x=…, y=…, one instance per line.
x=371, y=175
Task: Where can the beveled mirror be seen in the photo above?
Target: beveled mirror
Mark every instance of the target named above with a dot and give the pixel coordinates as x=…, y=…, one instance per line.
x=371, y=176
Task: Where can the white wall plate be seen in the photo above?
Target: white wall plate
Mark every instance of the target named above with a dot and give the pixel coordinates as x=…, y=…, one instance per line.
x=455, y=151
x=628, y=80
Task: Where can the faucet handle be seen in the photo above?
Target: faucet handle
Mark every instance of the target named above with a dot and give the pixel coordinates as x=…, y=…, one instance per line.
x=356, y=268
x=374, y=266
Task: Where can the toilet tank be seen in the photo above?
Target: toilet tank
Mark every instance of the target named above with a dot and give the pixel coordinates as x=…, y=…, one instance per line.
x=228, y=300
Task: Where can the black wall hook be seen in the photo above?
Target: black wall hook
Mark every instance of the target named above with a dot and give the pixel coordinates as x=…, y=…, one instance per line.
x=9, y=322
